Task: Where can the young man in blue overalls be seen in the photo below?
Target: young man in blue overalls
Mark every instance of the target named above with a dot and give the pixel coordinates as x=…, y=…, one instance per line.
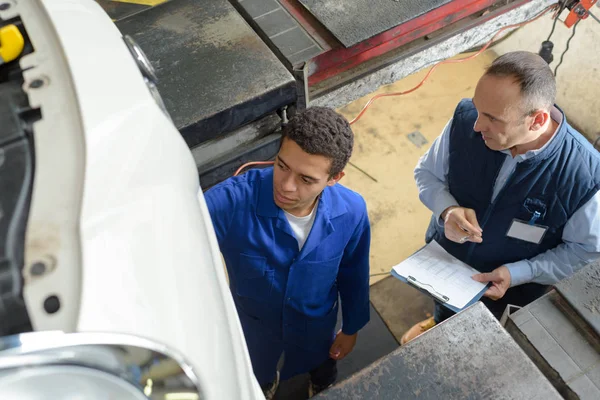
x=293, y=240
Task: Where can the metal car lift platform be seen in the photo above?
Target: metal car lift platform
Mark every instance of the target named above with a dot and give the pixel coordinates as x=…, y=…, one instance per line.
x=335, y=41
x=469, y=356
x=561, y=333
x=230, y=72
x=215, y=74
x=353, y=21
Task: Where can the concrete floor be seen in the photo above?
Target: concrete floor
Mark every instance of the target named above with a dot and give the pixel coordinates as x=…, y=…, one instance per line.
x=384, y=151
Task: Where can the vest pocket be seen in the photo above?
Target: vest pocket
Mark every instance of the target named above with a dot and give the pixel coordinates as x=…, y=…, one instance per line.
x=544, y=212
x=253, y=278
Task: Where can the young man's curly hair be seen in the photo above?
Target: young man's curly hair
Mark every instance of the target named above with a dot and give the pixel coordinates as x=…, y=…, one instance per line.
x=322, y=131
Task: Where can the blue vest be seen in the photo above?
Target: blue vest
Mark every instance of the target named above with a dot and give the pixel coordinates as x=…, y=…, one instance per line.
x=555, y=183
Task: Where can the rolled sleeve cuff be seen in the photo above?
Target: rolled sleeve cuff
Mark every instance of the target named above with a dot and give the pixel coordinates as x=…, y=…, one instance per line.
x=520, y=272
x=354, y=328
x=351, y=326
x=442, y=202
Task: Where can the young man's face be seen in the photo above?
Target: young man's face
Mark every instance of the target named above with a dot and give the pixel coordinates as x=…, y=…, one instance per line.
x=299, y=177
x=501, y=120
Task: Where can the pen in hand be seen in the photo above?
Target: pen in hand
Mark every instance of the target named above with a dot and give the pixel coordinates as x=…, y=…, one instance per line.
x=460, y=225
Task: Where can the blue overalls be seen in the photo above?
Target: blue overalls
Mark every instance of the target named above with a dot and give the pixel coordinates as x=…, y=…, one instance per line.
x=287, y=299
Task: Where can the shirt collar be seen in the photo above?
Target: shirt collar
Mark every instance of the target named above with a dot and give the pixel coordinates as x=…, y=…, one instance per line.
x=557, y=115
x=329, y=205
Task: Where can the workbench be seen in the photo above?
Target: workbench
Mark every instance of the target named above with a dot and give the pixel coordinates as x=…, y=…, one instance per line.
x=469, y=356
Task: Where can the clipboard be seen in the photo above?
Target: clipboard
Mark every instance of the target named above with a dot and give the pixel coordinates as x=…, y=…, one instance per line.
x=438, y=297
x=435, y=250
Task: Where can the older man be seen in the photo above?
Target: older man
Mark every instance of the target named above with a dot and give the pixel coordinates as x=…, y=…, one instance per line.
x=513, y=187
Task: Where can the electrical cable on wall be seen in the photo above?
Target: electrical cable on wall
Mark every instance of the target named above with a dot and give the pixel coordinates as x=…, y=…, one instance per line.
x=240, y=169
x=547, y=45
x=451, y=61
x=558, y=12
x=562, y=56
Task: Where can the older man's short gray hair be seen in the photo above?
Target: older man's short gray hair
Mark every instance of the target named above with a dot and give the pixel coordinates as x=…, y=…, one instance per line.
x=534, y=76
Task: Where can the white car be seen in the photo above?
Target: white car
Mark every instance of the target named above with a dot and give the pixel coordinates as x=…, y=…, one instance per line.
x=122, y=279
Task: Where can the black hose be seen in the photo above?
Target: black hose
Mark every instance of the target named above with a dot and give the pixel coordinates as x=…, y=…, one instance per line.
x=560, y=10
x=562, y=56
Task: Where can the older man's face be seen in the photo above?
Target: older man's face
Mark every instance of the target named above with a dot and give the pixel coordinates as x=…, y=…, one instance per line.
x=501, y=120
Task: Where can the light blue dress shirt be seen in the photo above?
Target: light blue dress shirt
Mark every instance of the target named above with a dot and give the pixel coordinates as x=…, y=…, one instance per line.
x=581, y=235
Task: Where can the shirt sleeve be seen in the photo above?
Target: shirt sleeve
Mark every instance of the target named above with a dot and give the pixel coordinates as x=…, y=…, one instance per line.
x=431, y=175
x=581, y=246
x=353, y=278
x=221, y=203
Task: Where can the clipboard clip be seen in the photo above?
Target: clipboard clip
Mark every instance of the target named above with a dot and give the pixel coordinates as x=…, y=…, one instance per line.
x=437, y=295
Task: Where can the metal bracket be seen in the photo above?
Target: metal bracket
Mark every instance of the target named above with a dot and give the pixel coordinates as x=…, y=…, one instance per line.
x=579, y=11
x=302, y=99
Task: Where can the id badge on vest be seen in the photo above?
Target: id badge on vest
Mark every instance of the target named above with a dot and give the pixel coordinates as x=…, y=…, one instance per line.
x=527, y=231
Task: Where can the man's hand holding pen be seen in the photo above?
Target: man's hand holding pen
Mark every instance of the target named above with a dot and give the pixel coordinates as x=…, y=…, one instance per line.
x=460, y=225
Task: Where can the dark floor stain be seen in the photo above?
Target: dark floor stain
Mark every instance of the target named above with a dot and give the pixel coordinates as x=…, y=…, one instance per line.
x=374, y=132
x=379, y=213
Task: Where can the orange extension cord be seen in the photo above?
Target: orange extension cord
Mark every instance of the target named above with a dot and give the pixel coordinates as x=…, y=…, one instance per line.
x=451, y=61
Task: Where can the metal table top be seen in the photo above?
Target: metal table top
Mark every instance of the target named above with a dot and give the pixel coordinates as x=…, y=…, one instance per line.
x=469, y=356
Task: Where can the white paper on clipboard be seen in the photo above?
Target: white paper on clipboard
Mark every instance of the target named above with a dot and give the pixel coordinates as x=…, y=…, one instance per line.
x=441, y=274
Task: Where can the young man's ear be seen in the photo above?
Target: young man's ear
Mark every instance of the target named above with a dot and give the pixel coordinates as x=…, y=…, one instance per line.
x=539, y=119
x=335, y=178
